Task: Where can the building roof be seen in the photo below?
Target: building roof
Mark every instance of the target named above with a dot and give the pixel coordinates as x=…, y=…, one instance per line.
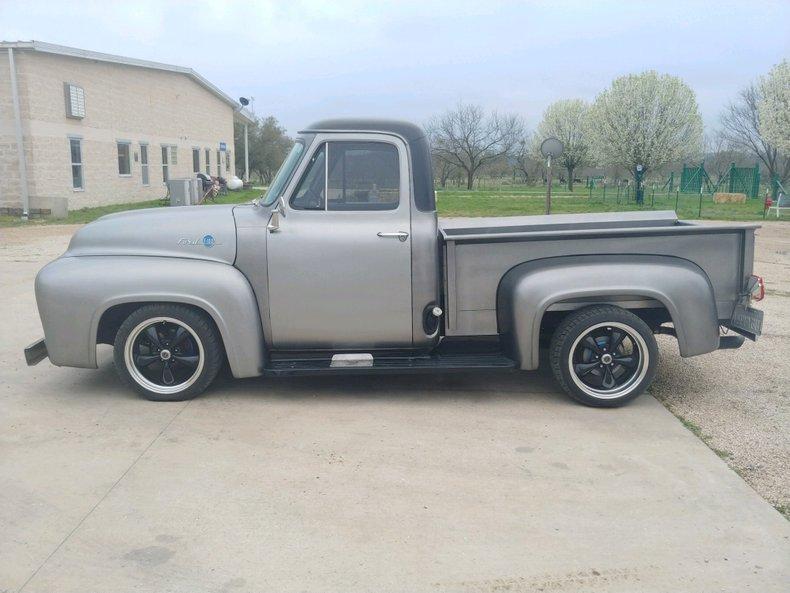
x=61, y=50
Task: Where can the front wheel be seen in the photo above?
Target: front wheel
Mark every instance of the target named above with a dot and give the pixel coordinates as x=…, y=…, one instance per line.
x=603, y=355
x=167, y=352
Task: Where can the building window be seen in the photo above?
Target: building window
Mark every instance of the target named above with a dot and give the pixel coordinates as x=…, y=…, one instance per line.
x=75, y=146
x=144, y=164
x=124, y=158
x=219, y=164
x=165, y=168
x=75, y=100
x=208, y=162
x=227, y=160
x=196, y=160
x=174, y=155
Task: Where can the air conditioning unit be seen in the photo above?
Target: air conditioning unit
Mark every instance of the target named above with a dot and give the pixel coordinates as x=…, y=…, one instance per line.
x=75, y=100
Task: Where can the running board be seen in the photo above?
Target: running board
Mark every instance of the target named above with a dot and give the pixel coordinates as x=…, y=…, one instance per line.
x=392, y=364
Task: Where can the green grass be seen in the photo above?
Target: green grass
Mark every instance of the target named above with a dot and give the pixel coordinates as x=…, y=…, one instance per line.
x=500, y=200
x=85, y=215
x=519, y=200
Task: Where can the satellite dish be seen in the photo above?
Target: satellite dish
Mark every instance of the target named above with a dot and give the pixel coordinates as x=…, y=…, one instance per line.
x=551, y=147
x=244, y=101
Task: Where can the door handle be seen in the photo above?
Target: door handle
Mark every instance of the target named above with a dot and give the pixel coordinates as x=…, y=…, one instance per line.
x=400, y=235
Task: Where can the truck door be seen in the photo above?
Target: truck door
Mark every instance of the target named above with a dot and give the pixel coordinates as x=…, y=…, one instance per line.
x=339, y=261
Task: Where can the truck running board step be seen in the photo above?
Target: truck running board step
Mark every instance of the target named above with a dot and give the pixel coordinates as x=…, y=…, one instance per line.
x=394, y=364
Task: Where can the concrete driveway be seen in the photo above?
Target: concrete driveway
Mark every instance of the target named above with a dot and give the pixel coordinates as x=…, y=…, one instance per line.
x=464, y=483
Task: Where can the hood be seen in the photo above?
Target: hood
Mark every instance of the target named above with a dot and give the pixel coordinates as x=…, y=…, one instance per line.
x=193, y=232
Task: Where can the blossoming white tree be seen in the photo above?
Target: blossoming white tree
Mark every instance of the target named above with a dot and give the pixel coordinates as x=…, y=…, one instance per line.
x=774, y=107
x=646, y=119
x=567, y=121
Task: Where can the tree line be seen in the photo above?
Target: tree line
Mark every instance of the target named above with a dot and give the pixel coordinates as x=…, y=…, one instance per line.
x=647, y=119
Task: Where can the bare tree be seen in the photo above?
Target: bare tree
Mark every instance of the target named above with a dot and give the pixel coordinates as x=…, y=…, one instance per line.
x=469, y=139
x=740, y=124
x=719, y=156
x=526, y=164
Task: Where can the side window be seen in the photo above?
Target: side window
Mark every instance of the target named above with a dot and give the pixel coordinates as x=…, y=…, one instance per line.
x=363, y=176
x=309, y=195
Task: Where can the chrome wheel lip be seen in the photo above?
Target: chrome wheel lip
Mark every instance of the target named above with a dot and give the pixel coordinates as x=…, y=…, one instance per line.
x=632, y=383
x=144, y=382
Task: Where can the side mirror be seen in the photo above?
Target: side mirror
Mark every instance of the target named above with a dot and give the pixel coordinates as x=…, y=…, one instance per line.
x=274, y=222
x=281, y=206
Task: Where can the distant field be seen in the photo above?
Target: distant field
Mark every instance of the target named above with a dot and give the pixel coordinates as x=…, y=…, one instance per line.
x=504, y=200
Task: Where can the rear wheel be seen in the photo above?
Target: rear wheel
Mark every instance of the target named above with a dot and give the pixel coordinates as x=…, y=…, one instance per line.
x=603, y=355
x=167, y=352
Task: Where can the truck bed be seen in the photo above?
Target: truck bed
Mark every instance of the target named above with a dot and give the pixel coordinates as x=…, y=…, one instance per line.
x=478, y=251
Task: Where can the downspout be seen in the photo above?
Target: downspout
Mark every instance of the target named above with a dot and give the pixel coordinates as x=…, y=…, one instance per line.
x=246, y=156
x=19, y=138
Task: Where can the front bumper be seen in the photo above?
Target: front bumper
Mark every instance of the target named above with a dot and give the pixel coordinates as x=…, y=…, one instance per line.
x=36, y=352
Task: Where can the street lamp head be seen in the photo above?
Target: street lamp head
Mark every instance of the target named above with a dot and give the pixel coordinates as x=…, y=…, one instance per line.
x=551, y=147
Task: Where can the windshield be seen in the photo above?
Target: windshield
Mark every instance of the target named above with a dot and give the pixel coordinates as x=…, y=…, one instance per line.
x=284, y=174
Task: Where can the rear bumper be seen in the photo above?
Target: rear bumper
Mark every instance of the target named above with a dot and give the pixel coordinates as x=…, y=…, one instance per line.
x=36, y=352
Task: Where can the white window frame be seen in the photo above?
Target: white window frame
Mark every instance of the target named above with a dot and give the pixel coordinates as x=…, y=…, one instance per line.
x=145, y=169
x=195, y=165
x=219, y=163
x=128, y=144
x=208, y=162
x=81, y=164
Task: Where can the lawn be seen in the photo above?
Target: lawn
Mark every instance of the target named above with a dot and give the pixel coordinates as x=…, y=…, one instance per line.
x=89, y=214
x=519, y=200
x=503, y=200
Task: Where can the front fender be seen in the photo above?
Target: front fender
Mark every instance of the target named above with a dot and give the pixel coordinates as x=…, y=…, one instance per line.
x=74, y=292
x=528, y=290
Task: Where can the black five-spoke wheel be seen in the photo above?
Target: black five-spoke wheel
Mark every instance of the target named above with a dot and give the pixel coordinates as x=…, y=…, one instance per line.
x=607, y=358
x=165, y=354
x=603, y=355
x=168, y=352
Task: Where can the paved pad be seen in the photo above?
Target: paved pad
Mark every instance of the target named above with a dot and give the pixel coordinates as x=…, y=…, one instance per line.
x=481, y=482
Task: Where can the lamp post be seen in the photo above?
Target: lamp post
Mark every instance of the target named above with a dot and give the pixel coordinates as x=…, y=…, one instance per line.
x=244, y=102
x=550, y=148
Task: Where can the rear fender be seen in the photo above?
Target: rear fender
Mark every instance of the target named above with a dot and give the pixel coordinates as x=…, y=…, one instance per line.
x=74, y=292
x=528, y=290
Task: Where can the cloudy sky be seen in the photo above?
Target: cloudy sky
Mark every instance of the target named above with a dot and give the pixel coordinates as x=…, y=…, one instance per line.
x=305, y=60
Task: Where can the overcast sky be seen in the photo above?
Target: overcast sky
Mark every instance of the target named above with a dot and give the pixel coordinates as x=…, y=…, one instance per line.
x=306, y=60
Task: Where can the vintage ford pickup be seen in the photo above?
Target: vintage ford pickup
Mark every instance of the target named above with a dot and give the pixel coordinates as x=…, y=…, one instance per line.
x=343, y=267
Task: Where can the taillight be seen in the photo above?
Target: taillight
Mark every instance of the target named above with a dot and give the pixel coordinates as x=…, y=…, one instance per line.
x=756, y=288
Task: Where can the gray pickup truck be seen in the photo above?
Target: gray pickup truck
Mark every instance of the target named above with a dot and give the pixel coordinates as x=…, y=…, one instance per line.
x=343, y=267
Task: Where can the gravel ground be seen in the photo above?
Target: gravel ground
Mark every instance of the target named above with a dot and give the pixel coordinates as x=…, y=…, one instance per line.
x=737, y=400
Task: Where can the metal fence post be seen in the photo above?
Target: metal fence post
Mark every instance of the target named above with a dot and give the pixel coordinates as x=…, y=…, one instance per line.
x=677, y=197
x=699, y=215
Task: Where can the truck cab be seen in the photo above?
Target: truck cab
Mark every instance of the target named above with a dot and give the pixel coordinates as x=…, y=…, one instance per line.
x=351, y=241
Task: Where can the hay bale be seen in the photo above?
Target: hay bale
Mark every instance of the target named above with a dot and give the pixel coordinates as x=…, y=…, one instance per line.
x=725, y=198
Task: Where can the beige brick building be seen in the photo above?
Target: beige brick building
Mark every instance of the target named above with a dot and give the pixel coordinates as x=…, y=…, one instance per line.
x=100, y=129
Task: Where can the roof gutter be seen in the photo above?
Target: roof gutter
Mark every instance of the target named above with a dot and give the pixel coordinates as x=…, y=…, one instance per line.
x=20, y=143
